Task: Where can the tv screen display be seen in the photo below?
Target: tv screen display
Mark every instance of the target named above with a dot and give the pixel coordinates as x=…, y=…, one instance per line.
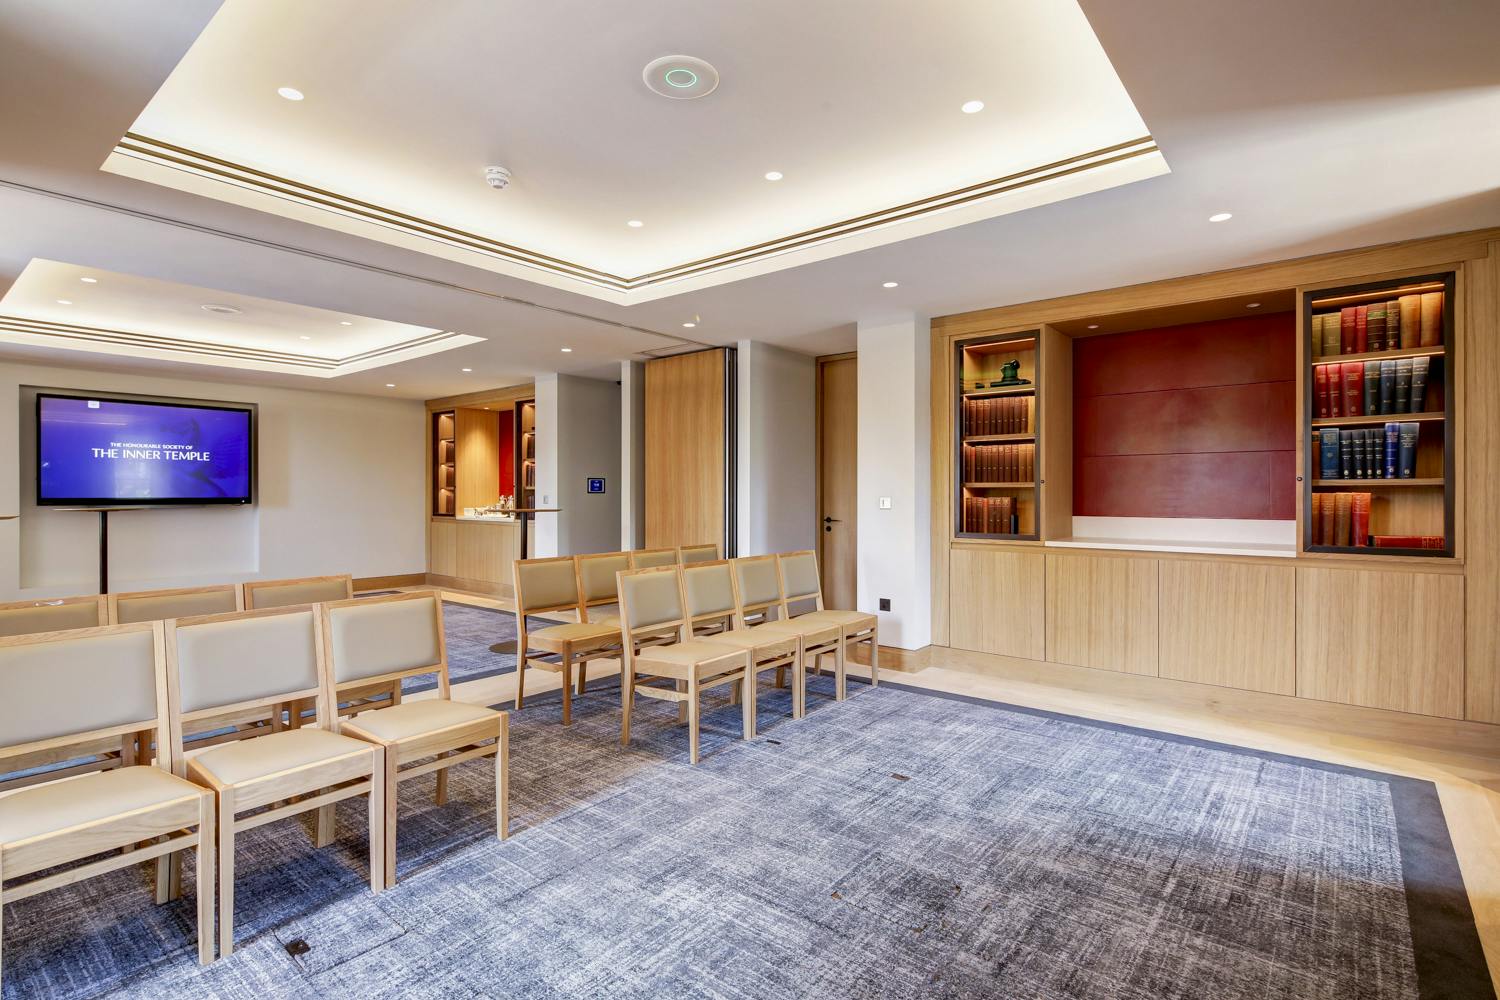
x=102, y=451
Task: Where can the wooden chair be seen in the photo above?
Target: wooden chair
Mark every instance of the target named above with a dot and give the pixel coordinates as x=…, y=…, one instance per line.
x=247, y=660
x=800, y=584
x=660, y=652
x=544, y=585
x=392, y=638
x=182, y=602
x=260, y=594
x=648, y=558
x=689, y=554
x=598, y=587
x=81, y=686
x=757, y=584
x=53, y=615
x=713, y=612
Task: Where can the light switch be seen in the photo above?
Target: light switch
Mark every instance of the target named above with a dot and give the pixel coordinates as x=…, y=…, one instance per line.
x=885, y=503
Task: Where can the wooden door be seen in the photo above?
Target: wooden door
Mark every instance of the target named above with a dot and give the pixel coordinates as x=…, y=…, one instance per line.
x=838, y=410
x=685, y=449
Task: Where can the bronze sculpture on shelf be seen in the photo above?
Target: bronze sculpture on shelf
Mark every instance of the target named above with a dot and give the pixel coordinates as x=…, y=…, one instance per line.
x=1010, y=374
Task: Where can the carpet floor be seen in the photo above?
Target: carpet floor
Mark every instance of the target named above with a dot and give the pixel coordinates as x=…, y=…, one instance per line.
x=900, y=844
x=470, y=631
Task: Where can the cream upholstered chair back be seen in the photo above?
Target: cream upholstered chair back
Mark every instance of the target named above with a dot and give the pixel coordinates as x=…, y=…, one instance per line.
x=648, y=558
x=386, y=638
x=689, y=554
x=799, y=577
x=54, y=615
x=247, y=659
x=651, y=599
x=186, y=602
x=81, y=684
x=597, y=573
x=758, y=583
x=549, y=584
x=261, y=594
x=707, y=591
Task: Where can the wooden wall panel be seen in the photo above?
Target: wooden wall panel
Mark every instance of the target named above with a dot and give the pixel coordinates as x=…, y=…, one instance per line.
x=1101, y=612
x=1003, y=602
x=1382, y=639
x=685, y=449
x=486, y=552
x=1056, y=426
x=1231, y=624
x=477, y=459
x=442, y=548
x=1480, y=501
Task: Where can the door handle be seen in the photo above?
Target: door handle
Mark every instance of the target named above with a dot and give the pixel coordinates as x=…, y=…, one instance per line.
x=830, y=520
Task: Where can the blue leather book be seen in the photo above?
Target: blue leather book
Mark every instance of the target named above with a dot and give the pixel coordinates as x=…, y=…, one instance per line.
x=1408, y=440
x=1392, y=449
x=1372, y=387
x=1387, y=386
x=1417, y=403
x=1328, y=453
x=1346, y=454
x=1403, y=386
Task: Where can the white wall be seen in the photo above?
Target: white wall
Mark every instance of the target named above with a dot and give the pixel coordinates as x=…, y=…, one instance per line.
x=632, y=455
x=577, y=423
x=895, y=419
x=341, y=488
x=777, y=467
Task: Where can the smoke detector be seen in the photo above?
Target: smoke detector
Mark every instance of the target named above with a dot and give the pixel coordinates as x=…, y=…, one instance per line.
x=497, y=177
x=681, y=78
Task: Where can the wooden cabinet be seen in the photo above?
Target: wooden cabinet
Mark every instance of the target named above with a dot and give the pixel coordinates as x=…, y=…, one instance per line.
x=1382, y=639
x=486, y=552
x=998, y=604
x=686, y=449
x=442, y=550
x=478, y=458
x=1227, y=623
x=1101, y=612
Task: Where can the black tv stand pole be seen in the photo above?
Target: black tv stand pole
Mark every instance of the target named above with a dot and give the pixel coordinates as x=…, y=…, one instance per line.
x=103, y=551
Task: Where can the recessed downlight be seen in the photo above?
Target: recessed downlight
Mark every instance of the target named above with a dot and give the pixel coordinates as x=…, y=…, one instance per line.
x=89, y=281
x=466, y=369
x=634, y=223
x=290, y=93
x=64, y=302
x=345, y=322
x=1221, y=217
x=890, y=284
x=390, y=385
x=774, y=175
x=1093, y=326
x=688, y=326
x=972, y=107
x=567, y=350
x=682, y=78
x=1252, y=305
x=304, y=337
x=221, y=309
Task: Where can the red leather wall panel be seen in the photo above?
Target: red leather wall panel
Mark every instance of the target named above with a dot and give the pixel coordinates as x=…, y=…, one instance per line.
x=1197, y=420
x=507, y=453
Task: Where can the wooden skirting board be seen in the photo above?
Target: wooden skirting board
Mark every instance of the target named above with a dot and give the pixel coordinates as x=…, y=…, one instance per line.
x=907, y=661
x=363, y=583
x=472, y=586
x=1450, y=735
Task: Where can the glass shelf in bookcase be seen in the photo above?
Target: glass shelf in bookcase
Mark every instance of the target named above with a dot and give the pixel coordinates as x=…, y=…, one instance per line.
x=1378, y=439
x=996, y=436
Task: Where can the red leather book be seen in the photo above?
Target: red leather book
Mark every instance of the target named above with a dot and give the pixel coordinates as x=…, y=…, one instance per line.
x=1361, y=335
x=1320, y=389
x=1346, y=330
x=1317, y=518
x=1354, y=389
x=1327, y=519
x=1407, y=541
x=1359, y=526
x=1335, y=390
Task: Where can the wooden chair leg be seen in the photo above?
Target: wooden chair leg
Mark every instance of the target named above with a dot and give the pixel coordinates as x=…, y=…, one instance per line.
x=682, y=709
x=736, y=692
x=205, y=857
x=521, y=651
x=627, y=701
x=692, y=714
x=440, y=795
x=567, y=687
x=387, y=828
x=781, y=675
x=839, y=660
x=383, y=819
x=226, y=872
x=502, y=779
x=874, y=658
x=799, y=684
x=747, y=712
x=325, y=826
x=583, y=676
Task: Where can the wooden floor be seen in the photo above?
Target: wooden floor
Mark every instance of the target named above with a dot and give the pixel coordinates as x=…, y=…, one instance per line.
x=1466, y=770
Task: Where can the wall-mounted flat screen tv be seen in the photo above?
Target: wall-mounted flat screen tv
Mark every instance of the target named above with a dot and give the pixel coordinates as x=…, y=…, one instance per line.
x=131, y=451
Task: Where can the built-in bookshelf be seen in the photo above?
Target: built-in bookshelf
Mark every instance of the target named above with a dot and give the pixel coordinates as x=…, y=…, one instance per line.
x=525, y=430
x=996, y=474
x=444, y=462
x=1378, y=440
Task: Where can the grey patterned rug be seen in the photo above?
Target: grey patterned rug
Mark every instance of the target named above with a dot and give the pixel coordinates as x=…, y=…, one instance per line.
x=470, y=631
x=900, y=844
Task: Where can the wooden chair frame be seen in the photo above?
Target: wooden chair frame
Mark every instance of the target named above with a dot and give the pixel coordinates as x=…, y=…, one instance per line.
x=863, y=629
x=99, y=601
x=251, y=587
x=653, y=558
x=447, y=747
x=647, y=674
x=778, y=649
x=297, y=790
x=818, y=640
x=155, y=832
x=234, y=589
x=559, y=655
x=697, y=550
x=584, y=601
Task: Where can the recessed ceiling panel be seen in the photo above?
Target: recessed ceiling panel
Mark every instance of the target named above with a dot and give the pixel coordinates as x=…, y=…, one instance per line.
x=858, y=107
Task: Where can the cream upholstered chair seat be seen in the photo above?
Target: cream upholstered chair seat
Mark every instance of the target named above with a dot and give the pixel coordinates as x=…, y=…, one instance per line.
x=856, y=620
x=32, y=812
x=689, y=653
x=416, y=718
x=234, y=763
x=766, y=642
x=577, y=632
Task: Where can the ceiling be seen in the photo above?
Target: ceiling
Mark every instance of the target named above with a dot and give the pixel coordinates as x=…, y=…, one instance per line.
x=1274, y=111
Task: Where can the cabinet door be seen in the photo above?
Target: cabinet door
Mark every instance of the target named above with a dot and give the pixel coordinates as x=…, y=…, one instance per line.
x=1382, y=639
x=442, y=551
x=1232, y=624
x=1101, y=612
x=997, y=602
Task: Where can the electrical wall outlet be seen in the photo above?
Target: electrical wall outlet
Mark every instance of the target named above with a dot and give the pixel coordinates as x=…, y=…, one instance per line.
x=885, y=604
x=885, y=503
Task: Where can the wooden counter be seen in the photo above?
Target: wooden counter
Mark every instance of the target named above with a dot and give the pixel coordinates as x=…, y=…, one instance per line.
x=472, y=553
